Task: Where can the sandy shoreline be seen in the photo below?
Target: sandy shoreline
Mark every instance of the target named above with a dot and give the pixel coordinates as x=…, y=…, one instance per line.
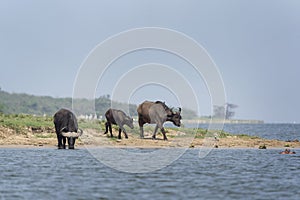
x=94, y=139
x=84, y=147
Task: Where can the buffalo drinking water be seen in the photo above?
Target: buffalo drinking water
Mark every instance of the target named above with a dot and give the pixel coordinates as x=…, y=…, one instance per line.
x=66, y=126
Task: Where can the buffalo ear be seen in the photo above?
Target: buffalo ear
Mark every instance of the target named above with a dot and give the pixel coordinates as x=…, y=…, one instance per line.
x=179, y=110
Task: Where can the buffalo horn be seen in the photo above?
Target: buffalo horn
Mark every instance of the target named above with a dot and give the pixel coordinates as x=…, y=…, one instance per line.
x=62, y=129
x=70, y=134
x=175, y=110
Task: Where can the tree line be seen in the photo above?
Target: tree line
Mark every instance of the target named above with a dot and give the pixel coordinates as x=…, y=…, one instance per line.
x=15, y=103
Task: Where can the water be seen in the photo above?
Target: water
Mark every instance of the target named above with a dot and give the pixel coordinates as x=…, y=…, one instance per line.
x=268, y=131
x=46, y=173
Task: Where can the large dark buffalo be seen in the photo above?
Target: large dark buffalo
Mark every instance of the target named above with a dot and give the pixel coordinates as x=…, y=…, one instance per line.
x=117, y=117
x=157, y=113
x=66, y=127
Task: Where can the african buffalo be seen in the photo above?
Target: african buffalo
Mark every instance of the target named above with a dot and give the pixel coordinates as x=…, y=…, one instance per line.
x=157, y=113
x=66, y=127
x=117, y=117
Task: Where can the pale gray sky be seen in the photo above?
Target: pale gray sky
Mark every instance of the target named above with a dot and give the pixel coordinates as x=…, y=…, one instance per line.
x=254, y=43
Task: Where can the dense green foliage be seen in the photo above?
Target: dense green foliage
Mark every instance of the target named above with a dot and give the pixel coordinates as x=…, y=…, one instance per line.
x=46, y=105
x=29, y=104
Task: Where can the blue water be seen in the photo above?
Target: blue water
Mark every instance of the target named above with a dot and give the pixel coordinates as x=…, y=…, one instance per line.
x=268, y=131
x=46, y=173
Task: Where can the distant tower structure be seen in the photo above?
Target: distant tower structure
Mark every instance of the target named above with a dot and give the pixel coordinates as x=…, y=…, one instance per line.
x=229, y=113
x=225, y=111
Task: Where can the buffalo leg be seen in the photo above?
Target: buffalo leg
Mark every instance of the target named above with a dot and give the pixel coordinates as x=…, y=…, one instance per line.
x=110, y=130
x=106, y=127
x=164, y=133
x=124, y=131
x=120, y=131
x=141, y=132
x=64, y=142
x=126, y=136
x=154, y=133
x=141, y=124
x=59, y=140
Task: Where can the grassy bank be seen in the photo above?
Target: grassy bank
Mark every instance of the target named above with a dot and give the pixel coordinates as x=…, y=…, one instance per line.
x=38, y=130
x=22, y=122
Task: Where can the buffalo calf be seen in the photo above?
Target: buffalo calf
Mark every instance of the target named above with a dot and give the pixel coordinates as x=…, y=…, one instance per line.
x=119, y=118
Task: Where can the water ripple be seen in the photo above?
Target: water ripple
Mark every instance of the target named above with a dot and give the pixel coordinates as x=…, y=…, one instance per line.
x=224, y=173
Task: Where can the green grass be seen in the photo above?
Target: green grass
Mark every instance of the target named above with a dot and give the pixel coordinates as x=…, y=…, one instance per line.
x=21, y=123
x=201, y=133
x=204, y=133
x=244, y=136
x=93, y=124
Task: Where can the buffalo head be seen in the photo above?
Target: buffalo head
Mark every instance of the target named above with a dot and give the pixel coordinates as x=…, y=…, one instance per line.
x=72, y=136
x=129, y=122
x=175, y=116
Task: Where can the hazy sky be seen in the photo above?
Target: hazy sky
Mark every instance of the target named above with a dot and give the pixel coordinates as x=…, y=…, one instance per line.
x=255, y=44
